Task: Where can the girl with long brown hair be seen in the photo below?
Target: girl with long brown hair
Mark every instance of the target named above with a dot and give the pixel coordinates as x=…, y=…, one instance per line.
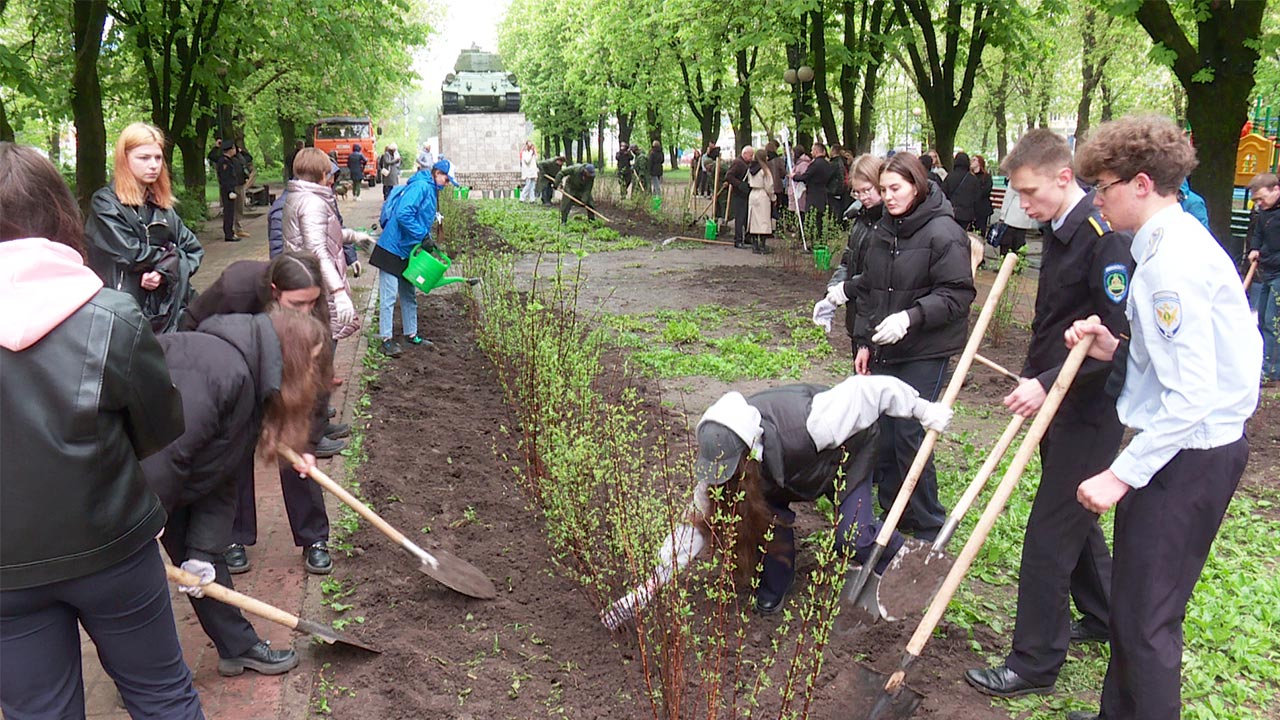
x=247, y=381
x=758, y=455
x=137, y=243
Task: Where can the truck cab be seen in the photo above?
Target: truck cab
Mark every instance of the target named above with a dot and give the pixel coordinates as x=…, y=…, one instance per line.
x=340, y=134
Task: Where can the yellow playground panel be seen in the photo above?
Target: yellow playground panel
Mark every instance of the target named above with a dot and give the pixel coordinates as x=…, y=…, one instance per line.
x=1254, y=155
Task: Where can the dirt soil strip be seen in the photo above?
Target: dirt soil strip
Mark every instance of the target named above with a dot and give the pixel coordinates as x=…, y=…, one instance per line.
x=538, y=648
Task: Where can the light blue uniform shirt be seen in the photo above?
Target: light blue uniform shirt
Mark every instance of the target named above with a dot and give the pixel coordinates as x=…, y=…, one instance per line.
x=1195, y=357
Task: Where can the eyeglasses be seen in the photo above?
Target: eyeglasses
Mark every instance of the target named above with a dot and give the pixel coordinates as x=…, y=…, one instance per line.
x=1104, y=187
x=863, y=192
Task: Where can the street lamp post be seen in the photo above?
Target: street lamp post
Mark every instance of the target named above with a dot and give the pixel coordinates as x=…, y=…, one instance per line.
x=796, y=78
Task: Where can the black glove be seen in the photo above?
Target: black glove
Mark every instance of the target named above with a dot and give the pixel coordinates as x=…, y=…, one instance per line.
x=428, y=245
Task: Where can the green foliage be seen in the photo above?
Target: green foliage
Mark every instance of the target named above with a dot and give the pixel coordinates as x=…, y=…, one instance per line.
x=719, y=342
x=1232, y=629
x=530, y=228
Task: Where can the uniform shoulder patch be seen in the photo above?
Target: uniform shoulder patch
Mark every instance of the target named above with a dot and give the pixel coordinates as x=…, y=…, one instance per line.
x=1099, y=224
x=1168, y=312
x=1154, y=244
x=1115, y=282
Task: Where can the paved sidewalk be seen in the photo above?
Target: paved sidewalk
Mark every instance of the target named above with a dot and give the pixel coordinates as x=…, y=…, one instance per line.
x=277, y=576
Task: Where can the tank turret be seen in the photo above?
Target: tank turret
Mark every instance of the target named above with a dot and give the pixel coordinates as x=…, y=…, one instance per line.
x=479, y=83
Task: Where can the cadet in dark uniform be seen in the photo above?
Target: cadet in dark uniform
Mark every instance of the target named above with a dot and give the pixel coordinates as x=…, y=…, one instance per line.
x=576, y=180
x=547, y=171
x=228, y=178
x=1191, y=382
x=1085, y=271
x=784, y=445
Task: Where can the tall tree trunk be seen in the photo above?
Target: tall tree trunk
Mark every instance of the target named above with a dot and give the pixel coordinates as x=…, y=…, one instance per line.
x=7, y=133
x=1108, y=101
x=1002, y=113
x=193, y=174
x=626, y=124
x=88, y=19
x=849, y=74
x=600, y=139
x=1091, y=68
x=742, y=129
x=818, y=49
x=1216, y=113
x=288, y=135
x=866, y=112
x=55, y=145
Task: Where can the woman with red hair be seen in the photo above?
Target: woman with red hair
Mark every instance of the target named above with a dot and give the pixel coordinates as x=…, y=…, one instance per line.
x=136, y=241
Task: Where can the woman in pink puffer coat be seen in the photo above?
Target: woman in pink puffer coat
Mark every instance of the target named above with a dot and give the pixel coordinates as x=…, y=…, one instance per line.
x=311, y=224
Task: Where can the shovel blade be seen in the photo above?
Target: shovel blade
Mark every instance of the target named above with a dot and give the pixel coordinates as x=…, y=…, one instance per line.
x=911, y=581
x=867, y=699
x=861, y=611
x=331, y=636
x=459, y=575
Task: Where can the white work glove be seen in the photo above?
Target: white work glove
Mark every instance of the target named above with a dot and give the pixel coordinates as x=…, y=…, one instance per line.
x=355, y=269
x=836, y=295
x=439, y=218
x=201, y=569
x=823, y=312
x=892, y=329
x=625, y=608
x=231, y=196
x=346, y=311
x=936, y=416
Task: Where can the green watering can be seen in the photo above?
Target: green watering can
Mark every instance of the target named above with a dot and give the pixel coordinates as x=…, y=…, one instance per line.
x=822, y=257
x=711, y=230
x=426, y=270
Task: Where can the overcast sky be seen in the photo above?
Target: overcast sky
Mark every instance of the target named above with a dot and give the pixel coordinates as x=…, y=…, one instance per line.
x=466, y=22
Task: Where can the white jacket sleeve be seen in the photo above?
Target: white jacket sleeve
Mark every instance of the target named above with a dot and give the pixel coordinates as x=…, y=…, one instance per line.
x=856, y=404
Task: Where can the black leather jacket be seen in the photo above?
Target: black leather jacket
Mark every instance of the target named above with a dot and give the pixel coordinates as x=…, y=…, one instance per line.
x=79, y=409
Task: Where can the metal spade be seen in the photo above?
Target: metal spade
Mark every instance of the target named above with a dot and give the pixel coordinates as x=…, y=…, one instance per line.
x=253, y=606
x=448, y=569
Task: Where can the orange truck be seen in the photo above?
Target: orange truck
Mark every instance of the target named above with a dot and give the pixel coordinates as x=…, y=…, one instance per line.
x=340, y=134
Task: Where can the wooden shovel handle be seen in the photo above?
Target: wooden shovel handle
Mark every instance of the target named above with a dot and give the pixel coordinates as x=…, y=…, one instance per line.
x=350, y=500
x=226, y=595
x=997, y=367
x=588, y=207
x=972, y=492
x=995, y=506
x=948, y=398
x=1248, y=277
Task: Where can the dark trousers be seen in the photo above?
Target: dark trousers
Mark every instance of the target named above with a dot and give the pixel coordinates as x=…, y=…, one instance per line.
x=228, y=216
x=303, y=503
x=1163, y=534
x=386, y=190
x=900, y=438
x=741, y=210
x=125, y=609
x=231, y=634
x=856, y=522
x=1064, y=552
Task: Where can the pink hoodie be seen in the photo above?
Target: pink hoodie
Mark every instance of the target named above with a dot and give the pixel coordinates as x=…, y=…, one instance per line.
x=41, y=284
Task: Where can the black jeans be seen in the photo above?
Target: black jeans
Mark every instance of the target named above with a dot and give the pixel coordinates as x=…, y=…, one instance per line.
x=230, y=632
x=1064, y=552
x=1163, y=534
x=228, y=216
x=900, y=438
x=125, y=609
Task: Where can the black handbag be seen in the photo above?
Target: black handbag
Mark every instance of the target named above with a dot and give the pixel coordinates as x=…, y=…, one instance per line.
x=996, y=234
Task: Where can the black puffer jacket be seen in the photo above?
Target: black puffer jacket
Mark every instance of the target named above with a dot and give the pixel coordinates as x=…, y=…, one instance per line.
x=919, y=263
x=226, y=372
x=862, y=224
x=79, y=408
